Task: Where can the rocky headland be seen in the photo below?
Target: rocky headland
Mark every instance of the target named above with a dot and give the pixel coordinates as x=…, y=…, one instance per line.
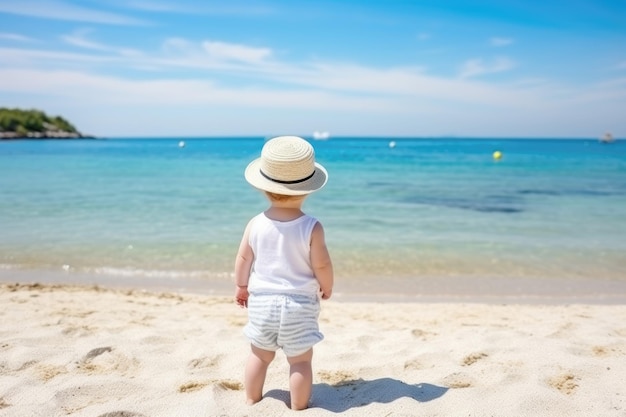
x=35, y=124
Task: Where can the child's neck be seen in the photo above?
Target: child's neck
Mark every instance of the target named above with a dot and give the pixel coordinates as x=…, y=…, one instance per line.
x=284, y=211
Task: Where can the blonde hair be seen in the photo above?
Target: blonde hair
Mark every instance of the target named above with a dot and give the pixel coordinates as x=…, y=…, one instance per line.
x=282, y=197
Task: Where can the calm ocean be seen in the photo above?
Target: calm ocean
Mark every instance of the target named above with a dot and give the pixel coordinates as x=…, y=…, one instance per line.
x=435, y=217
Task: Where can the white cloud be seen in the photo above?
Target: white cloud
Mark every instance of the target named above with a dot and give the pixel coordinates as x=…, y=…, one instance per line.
x=59, y=10
x=79, y=38
x=337, y=86
x=177, y=45
x=477, y=67
x=80, y=87
x=235, y=52
x=195, y=7
x=254, y=67
x=15, y=37
x=497, y=41
x=378, y=87
x=27, y=58
x=180, y=52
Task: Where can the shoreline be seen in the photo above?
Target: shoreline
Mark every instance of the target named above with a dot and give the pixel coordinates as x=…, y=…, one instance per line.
x=489, y=290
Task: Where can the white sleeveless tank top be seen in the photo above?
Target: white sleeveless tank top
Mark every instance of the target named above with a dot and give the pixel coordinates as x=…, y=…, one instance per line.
x=282, y=256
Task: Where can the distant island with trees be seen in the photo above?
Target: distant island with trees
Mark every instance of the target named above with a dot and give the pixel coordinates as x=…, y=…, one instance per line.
x=35, y=124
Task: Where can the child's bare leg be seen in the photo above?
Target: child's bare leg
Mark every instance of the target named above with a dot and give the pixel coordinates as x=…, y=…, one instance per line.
x=300, y=380
x=256, y=370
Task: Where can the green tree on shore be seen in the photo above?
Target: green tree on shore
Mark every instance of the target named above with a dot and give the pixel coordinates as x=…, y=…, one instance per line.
x=24, y=122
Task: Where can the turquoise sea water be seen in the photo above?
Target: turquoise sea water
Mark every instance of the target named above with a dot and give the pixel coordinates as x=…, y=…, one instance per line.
x=434, y=215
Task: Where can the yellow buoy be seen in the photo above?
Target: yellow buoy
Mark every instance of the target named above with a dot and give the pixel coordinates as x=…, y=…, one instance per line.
x=497, y=155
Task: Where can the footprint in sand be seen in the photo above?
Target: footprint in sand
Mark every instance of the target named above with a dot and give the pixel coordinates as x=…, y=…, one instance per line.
x=563, y=331
x=3, y=403
x=423, y=334
x=616, y=350
x=47, y=372
x=225, y=384
x=26, y=365
x=204, y=362
x=121, y=414
x=228, y=384
x=336, y=378
x=78, y=331
x=600, y=351
x=566, y=383
x=473, y=358
x=106, y=359
x=192, y=386
x=413, y=364
x=458, y=380
x=97, y=352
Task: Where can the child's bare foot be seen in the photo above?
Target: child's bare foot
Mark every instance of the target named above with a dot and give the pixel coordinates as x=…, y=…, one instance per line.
x=296, y=407
x=250, y=401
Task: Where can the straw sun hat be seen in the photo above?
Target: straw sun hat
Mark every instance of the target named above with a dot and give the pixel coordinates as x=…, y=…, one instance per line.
x=287, y=166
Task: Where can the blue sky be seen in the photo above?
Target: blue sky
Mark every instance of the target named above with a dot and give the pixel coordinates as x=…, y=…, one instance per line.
x=515, y=68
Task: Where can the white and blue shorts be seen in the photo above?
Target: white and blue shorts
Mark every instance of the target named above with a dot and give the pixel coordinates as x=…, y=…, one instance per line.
x=283, y=321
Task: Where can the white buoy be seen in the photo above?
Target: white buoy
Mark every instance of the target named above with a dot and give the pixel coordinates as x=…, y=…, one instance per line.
x=392, y=144
x=181, y=144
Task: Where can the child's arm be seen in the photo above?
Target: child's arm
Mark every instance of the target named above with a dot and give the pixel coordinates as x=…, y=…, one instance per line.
x=243, y=264
x=320, y=261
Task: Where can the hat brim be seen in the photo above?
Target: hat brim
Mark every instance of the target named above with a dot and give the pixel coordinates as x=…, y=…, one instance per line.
x=257, y=180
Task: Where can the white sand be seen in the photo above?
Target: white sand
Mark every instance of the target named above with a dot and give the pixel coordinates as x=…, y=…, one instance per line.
x=108, y=353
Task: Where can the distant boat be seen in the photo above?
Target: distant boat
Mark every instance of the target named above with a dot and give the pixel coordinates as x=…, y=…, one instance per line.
x=607, y=138
x=320, y=135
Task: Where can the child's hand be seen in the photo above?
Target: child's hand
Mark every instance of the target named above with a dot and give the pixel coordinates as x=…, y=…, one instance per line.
x=241, y=296
x=326, y=294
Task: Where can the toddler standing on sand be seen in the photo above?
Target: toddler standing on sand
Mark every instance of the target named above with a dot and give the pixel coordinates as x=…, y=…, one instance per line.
x=283, y=268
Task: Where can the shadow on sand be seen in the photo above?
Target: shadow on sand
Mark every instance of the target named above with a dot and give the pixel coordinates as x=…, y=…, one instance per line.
x=358, y=393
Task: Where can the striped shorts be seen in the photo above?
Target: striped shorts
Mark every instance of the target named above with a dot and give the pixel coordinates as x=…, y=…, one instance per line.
x=282, y=321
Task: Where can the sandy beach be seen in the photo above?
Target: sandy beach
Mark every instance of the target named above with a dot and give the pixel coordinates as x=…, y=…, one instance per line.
x=91, y=351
